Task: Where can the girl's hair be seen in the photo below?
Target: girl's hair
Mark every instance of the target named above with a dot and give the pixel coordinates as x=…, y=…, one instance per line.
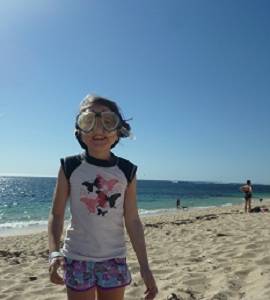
x=124, y=129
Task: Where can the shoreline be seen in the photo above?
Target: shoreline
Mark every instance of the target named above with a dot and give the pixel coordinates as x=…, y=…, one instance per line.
x=33, y=229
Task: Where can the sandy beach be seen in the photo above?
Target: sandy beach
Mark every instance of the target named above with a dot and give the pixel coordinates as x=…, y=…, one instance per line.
x=211, y=254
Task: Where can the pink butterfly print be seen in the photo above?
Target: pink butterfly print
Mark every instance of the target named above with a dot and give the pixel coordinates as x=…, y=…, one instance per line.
x=102, y=199
x=106, y=185
x=90, y=203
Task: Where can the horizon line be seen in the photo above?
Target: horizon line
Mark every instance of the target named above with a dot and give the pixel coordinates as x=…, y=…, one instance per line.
x=171, y=180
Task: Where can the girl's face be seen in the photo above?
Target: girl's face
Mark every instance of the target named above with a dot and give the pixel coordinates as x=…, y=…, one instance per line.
x=99, y=140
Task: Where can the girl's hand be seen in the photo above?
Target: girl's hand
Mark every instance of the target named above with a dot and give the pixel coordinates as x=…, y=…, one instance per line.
x=150, y=283
x=56, y=265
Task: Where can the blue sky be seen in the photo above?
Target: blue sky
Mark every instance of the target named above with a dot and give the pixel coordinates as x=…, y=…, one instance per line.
x=193, y=75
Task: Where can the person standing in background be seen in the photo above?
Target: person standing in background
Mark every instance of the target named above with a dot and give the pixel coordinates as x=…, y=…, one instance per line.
x=247, y=190
x=178, y=203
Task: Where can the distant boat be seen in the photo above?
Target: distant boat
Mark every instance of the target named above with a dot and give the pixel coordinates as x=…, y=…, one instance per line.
x=175, y=181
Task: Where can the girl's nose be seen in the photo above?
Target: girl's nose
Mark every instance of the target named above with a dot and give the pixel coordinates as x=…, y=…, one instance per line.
x=98, y=125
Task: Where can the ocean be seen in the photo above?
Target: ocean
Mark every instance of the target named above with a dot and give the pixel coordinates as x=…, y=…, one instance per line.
x=25, y=201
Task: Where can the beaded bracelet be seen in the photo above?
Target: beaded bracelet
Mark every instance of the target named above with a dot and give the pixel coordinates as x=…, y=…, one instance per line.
x=54, y=254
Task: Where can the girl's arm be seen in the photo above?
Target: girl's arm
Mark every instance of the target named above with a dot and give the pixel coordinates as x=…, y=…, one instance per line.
x=135, y=231
x=57, y=213
x=55, y=226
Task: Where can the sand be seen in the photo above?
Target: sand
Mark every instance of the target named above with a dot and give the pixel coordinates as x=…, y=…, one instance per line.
x=213, y=254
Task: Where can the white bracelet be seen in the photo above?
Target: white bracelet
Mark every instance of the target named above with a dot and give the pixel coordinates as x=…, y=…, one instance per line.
x=54, y=254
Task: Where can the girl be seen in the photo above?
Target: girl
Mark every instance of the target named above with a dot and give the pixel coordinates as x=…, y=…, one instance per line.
x=102, y=192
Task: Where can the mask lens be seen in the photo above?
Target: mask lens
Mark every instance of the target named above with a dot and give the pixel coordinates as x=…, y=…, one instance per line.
x=86, y=121
x=110, y=120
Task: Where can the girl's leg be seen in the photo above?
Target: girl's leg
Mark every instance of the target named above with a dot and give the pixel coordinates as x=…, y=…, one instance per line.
x=112, y=294
x=86, y=295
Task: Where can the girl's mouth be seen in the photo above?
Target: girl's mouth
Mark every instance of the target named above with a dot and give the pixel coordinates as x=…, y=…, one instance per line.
x=99, y=140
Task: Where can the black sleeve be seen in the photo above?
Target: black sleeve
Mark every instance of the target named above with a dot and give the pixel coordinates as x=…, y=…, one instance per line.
x=70, y=163
x=128, y=168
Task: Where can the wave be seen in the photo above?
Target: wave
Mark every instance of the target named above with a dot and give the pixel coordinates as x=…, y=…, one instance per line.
x=144, y=212
x=23, y=224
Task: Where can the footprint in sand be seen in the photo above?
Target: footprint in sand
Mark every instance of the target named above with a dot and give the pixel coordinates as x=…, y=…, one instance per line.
x=243, y=273
x=220, y=296
x=264, y=261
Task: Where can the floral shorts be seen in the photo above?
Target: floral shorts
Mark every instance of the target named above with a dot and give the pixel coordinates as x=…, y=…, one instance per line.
x=84, y=275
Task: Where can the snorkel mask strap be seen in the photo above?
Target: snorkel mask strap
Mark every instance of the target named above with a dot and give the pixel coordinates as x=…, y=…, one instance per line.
x=124, y=128
x=124, y=132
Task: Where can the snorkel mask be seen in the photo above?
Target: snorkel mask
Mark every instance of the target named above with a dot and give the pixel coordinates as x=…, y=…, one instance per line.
x=86, y=122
